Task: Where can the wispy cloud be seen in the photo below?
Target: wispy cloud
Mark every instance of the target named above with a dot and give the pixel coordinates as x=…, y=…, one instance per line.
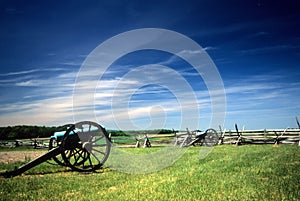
x=30, y=71
x=50, y=100
x=177, y=59
x=19, y=72
x=38, y=86
x=38, y=78
x=52, y=111
x=71, y=63
x=253, y=100
x=266, y=49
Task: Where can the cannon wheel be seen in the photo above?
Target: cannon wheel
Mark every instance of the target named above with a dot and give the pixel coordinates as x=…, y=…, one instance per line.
x=85, y=147
x=53, y=143
x=211, y=138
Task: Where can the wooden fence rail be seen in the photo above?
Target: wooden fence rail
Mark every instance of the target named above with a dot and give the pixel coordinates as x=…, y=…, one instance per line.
x=237, y=137
x=265, y=136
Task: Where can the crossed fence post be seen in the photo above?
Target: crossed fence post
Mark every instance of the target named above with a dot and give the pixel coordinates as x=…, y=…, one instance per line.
x=299, y=128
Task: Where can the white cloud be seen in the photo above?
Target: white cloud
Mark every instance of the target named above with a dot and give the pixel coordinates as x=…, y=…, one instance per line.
x=264, y=49
x=34, y=70
x=19, y=72
x=41, y=112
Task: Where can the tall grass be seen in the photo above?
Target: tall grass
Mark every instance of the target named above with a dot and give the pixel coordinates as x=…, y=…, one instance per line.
x=255, y=172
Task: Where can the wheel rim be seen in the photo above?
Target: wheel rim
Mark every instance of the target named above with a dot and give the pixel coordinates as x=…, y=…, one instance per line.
x=85, y=146
x=211, y=138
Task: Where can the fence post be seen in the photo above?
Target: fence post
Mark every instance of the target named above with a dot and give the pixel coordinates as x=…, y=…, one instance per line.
x=137, y=144
x=277, y=141
x=147, y=142
x=239, y=140
x=221, y=139
x=299, y=128
x=298, y=122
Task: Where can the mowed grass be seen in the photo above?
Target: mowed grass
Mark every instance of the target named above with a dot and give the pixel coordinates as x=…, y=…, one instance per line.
x=254, y=172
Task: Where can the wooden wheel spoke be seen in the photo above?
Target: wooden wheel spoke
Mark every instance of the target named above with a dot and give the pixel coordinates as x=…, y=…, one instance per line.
x=76, y=155
x=96, y=157
x=79, y=152
x=98, y=151
x=86, y=158
x=100, y=145
x=96, y=140
x=76, y=160
x=90, y=161
x=74, y=152
x=70, y=154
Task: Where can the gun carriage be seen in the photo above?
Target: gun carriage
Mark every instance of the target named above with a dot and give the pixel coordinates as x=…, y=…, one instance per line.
x=193, y=138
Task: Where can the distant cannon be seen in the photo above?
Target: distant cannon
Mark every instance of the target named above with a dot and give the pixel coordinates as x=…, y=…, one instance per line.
x=84, y=147
x=208, y=138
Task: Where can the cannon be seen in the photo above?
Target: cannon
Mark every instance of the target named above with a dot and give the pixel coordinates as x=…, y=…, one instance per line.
x=208, y=138
x=84, y=147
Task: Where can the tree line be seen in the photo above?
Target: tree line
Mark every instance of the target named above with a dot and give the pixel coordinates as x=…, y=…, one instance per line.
x=25, y=132
x=28, y=132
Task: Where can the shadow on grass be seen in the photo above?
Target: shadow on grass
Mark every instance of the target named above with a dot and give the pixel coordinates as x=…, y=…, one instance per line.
x=60, y=171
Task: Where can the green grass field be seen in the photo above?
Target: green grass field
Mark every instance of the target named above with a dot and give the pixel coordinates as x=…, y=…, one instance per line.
x=249, y=172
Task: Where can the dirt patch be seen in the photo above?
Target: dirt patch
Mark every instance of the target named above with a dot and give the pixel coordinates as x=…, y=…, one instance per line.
x=19, y=156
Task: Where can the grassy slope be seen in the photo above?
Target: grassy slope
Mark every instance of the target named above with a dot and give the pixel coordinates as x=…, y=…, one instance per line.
x=261, y=172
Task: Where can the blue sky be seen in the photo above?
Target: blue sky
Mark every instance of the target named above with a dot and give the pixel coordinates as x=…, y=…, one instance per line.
x=255, y=45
